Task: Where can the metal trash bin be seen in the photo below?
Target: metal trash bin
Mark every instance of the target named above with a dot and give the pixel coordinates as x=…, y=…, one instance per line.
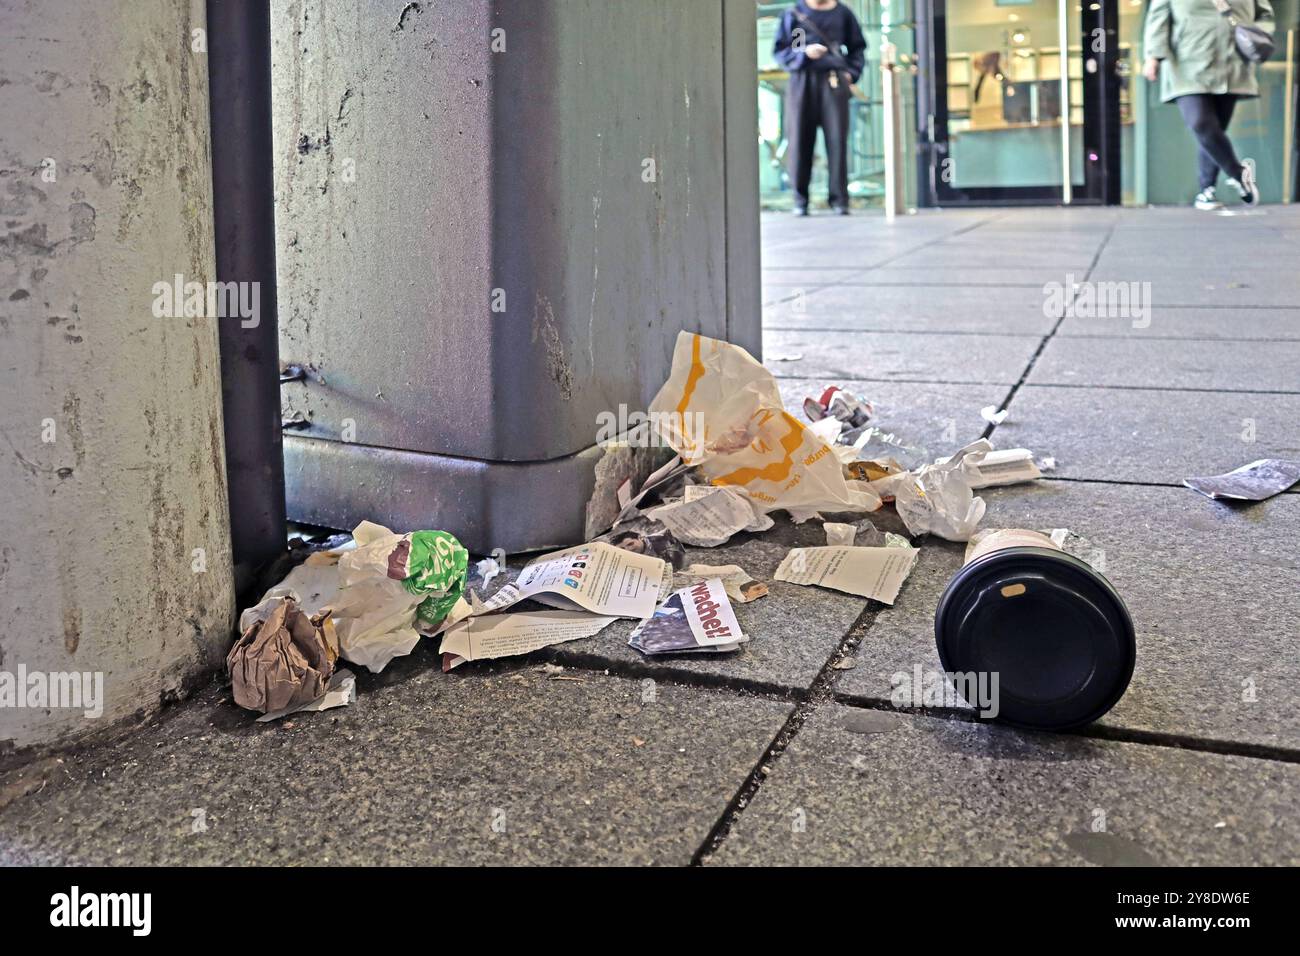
x=491, y=227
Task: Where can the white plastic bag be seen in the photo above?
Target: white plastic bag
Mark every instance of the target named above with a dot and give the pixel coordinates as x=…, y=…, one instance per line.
x=722, y=411
x=937, y=499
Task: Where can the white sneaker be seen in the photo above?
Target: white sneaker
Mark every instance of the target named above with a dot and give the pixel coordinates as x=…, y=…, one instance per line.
x=1247, y=187
x=1206, y=199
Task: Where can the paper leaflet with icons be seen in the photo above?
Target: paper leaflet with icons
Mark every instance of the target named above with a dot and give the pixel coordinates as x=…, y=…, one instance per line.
x=595, y=577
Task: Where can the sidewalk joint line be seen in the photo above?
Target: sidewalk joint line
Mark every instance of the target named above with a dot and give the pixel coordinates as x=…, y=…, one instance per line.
x=1177, y=338
x=1033, y=359
x=1164, y=388
x=1104, y=732
x=820, y=692
x=592, y=662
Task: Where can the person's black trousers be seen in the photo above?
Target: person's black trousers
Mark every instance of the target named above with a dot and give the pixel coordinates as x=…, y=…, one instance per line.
x=1207, y=116
x=810, y=101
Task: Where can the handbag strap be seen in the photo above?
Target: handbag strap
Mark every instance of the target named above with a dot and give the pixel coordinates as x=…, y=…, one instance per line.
x=811, y=32
x=1225, y=11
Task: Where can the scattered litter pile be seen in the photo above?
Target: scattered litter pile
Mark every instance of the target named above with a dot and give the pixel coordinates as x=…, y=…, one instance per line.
x=739, y=457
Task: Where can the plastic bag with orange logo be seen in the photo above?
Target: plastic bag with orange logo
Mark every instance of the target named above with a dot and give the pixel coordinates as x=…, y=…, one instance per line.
x=722, y=411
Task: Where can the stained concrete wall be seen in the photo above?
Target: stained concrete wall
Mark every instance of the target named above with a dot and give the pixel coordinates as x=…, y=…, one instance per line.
x=114, y=544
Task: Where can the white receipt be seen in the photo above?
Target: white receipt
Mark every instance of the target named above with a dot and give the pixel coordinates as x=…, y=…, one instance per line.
x=875, y=573
x=505, y=635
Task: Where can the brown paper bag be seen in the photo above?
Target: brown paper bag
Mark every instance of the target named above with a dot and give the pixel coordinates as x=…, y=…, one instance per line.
x=285, y=660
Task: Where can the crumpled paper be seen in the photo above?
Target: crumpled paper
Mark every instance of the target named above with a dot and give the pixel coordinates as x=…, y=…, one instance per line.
x=487, y=569
x=1010, y=466
x=708, y=515
x=839, y=534
x=740, y=587
x=937, y=499
x=722, y=411
x=390, y=585
x=284, y=659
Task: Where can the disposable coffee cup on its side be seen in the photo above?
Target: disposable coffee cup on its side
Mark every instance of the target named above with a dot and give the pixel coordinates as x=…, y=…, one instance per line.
x=1053, y=630
x=985, y=542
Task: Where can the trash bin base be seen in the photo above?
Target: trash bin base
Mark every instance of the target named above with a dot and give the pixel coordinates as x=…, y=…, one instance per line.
x=514, y=506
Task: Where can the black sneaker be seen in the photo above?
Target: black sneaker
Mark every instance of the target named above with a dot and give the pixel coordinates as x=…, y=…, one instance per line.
x=1247, y=186
x=841, y=210
x=800, y=210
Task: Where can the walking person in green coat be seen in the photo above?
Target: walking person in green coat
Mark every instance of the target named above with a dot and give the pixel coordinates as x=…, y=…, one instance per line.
x=1205, y=75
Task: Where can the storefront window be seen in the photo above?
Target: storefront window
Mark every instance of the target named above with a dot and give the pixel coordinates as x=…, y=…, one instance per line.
x=1005, y=95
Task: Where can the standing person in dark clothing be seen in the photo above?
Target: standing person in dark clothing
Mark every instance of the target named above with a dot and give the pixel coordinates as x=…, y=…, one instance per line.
x=821, y=44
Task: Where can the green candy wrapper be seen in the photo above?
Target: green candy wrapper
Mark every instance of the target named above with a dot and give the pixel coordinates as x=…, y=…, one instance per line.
x=436, y=562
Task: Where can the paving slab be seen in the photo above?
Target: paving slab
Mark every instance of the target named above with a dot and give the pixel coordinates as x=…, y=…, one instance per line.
x=1010, y=272
x=1207, y=243
x=1174, y=322
x=846, y=244
x=1151, y=217
x=1192, y=233
x=925, y=357
x=808, y=277
x=847, y=250
x=1086, y=240
x=1174, y=254
x=904, y=308
x=902, y=636
x=480, y=768
x=893, y=789
x=1195, y=238
x=1147, y=435
x=1243, y=366
x=829, y=249
x=1226, y=287
x=1211, y=588
x=1083, y=244
x=792, y=285
x=976, y=251
x=1056, y=220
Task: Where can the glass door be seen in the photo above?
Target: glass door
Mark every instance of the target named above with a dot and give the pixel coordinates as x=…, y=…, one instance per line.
x=1014, y=119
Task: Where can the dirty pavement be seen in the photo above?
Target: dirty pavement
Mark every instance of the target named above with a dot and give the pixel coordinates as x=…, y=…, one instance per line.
x=780, y=698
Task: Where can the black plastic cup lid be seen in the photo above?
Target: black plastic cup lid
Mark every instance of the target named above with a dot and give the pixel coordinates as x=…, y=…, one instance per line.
x=1053, y=630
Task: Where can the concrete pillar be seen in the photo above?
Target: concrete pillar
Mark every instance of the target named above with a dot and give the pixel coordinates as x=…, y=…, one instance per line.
x=114, y=540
